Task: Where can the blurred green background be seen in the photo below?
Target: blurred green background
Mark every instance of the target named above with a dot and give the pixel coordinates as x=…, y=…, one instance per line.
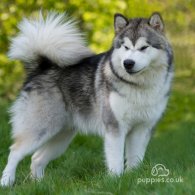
x=96, y=20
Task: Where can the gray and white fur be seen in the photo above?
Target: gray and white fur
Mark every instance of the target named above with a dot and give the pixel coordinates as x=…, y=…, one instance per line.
x=120, y=94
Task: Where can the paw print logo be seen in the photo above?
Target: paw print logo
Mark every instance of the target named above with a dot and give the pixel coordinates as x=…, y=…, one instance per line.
x=160, y=170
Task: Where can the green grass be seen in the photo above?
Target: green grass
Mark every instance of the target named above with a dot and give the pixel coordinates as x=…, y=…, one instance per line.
x=81, y=170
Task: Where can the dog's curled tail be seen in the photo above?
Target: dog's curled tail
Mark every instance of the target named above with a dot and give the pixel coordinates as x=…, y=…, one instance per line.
x=55, y=38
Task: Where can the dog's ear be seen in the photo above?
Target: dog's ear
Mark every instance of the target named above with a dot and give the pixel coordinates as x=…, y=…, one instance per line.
x=156, y=22
x=120, y=22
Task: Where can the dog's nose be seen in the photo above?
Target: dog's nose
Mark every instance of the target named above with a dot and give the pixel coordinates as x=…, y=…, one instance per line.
x=128, y=64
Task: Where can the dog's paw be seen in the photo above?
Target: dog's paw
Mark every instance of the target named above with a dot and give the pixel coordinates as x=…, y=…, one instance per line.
x=37, y=172
x=7, y=179
x=116, y=171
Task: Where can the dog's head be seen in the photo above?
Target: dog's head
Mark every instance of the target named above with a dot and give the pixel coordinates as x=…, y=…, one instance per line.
x=139, y=45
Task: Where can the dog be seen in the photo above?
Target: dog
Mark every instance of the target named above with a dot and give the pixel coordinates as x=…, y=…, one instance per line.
x=120, y=94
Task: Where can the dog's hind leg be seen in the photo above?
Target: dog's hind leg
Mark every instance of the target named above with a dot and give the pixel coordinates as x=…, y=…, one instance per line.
x=18, y=151
x=50, y=151
x=36, y=119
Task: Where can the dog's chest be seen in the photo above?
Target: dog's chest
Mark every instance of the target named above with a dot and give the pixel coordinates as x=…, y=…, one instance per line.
x=136, y=109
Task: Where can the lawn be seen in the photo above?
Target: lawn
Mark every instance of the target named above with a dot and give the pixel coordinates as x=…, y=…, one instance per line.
x=81, y=169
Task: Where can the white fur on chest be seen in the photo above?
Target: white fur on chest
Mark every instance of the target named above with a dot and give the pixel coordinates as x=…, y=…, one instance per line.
x=137, y=108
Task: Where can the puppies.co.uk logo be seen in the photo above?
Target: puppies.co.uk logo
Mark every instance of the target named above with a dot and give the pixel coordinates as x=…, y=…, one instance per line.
x=160, y=175
x=159, y=170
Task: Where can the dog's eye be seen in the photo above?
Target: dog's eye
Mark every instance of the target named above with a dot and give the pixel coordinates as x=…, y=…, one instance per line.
x=126, y=47
x=143, y=48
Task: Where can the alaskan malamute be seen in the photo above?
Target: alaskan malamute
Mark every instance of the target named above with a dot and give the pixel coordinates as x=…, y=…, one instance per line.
x=119, y=94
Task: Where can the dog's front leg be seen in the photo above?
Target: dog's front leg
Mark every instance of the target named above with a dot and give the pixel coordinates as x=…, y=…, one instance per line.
x=136, y=143
x=114, y=141
x=114, y=151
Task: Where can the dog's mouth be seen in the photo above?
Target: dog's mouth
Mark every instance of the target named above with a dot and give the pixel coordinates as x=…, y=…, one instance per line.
x=135, y=72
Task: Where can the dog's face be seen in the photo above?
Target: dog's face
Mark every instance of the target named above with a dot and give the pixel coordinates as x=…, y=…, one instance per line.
x=139, y=45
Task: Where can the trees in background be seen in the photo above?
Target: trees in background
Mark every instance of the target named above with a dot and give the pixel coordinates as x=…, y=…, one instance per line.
x=95, y=19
